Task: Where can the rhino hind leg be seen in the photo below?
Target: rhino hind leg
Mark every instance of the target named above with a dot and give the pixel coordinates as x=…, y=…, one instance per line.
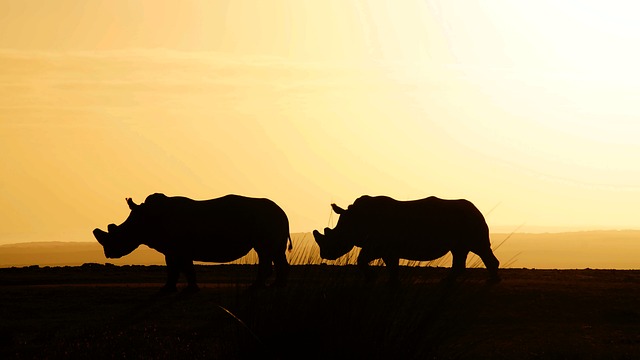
x=264, y=269
x=282, y=269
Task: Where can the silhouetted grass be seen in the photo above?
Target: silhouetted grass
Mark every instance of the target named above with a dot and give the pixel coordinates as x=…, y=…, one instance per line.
x=326, y=311
x=109, y=312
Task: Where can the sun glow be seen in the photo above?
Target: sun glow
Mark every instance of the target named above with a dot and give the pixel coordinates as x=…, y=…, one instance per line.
x=528, y=104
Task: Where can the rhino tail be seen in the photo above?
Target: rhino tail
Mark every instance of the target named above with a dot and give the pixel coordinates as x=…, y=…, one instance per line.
x=290, y=243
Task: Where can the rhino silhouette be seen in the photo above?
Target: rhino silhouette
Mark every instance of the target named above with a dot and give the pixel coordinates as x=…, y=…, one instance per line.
x=424, y=229
x=216, y=230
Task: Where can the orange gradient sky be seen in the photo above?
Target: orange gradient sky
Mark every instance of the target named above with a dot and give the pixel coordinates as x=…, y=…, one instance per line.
x=530, y=109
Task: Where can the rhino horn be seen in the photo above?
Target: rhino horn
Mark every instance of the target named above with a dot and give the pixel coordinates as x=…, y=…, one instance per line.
x=337, y=209
x=131, y=204
x=101, y=236
x=318, y=236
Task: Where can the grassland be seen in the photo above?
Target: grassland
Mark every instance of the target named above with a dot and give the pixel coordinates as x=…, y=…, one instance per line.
x=96, y=311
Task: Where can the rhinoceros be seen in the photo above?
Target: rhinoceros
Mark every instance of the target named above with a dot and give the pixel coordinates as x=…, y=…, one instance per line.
x=217, y=230
x=424, y=229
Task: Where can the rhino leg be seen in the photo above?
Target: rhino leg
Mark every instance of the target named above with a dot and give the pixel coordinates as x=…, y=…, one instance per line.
x=264, y=269
x=364, y=258
x=190, y=273
x=393, y=266
x=173, y=273
x=459, y=263
x=282, y=269
x=176, y=265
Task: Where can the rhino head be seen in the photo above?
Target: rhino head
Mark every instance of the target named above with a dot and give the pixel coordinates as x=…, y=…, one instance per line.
x=121, y=240
x=338, y=241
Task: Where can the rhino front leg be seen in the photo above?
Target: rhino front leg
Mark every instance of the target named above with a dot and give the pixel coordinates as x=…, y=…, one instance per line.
x=190, y=273
x=393, y=265
x=176, y=265
x=459, y=264
x=364, y=258
x=173, y=273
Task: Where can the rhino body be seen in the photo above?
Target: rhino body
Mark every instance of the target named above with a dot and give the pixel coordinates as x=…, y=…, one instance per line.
x=420, y=230
x=217, y=230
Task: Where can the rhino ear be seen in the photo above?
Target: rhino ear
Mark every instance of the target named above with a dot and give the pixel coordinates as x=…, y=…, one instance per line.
x=131, y=204
x=337, y=209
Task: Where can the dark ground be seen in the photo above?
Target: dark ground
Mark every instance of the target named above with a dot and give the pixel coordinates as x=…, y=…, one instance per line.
x=98, y=312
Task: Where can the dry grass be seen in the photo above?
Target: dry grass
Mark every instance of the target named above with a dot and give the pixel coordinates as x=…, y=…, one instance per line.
x=326, y=311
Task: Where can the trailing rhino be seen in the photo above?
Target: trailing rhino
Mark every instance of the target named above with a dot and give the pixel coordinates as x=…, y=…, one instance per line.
x=420, y=230
x=217, y=230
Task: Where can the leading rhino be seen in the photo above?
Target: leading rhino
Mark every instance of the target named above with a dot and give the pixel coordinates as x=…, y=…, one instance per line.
x=420, y=230
x=216, y=230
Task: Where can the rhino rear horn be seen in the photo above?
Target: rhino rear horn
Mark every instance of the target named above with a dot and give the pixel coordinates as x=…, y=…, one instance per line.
x=131, y=204
x=338, y=210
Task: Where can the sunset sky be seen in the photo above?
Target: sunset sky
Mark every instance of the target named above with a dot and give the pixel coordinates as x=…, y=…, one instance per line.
x=529, y=109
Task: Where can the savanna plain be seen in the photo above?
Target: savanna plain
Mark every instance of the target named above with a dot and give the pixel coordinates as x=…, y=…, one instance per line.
x=326, y=311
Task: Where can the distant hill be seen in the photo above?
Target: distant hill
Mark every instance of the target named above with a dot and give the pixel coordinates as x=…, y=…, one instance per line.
x=57, y=253
x=570, y=250
x=606, y=249
x=69, y=253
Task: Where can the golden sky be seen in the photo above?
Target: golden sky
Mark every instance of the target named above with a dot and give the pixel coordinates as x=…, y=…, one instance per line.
x=530, y=109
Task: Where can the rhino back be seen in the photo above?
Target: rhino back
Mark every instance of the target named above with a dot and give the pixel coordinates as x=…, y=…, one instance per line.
x=219, y=230
x=424, y=229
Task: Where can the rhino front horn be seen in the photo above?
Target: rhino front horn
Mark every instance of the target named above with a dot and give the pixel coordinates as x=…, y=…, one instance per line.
x=318, y=236
x=338, y=210
x=101, y=236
